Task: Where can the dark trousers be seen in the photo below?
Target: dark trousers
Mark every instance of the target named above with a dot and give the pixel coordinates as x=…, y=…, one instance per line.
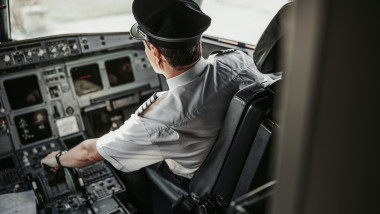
x=145, y=195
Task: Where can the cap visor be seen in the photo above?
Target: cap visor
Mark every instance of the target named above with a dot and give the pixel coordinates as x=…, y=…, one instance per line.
x=135, y=32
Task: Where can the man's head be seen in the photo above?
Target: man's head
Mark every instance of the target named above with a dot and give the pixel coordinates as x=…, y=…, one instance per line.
x=170, y=28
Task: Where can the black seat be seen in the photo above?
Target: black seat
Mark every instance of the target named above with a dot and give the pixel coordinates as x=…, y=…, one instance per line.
x=226, y=173
x=226, y=159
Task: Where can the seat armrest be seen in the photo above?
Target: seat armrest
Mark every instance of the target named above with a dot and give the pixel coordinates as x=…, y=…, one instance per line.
x=172, y=191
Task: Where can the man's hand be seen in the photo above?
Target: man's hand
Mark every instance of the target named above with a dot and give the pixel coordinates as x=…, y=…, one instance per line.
x=50, y=160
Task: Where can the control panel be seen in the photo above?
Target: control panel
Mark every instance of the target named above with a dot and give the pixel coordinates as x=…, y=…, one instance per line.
x=12, y=177
x=47, y=49
x=100, y=180
x=62, y=47
x=91, y=189
x=23, y=54
x=30, y=158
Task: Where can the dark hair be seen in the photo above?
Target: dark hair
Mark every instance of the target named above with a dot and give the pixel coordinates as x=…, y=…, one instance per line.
x=181, y=57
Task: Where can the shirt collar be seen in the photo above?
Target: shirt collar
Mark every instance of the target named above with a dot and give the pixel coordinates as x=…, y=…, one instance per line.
x=188, y=75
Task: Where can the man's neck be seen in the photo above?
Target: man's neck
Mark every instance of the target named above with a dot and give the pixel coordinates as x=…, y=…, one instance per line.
x=171, y=72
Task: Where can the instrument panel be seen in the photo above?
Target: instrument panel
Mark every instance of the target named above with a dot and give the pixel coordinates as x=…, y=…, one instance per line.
x=50, y=91
x=57, y=91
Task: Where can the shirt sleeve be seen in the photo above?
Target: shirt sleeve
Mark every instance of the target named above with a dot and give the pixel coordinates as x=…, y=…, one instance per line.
x=129, y=148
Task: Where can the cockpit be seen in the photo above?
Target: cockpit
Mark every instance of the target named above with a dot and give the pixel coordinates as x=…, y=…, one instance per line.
x=70, y=71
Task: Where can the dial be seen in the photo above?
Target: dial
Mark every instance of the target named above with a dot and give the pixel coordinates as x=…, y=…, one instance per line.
x=6, y=58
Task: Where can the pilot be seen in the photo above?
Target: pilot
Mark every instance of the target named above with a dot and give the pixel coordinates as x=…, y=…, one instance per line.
x=176, y=127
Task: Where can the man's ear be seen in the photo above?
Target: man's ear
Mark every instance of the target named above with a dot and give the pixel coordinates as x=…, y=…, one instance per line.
x=157, y=54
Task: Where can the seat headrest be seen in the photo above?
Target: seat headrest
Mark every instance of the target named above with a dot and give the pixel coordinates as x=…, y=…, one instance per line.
x=270, y=42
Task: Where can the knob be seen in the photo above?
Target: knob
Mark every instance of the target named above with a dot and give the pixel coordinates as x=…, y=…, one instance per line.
x=43, y=148
x=35, y=151
x=64, y=48
x=40, y=52
x=53, y=50
x=6, y=58
x=29, y=53
x=16, y=188
x=70, y=110
x=75, y=46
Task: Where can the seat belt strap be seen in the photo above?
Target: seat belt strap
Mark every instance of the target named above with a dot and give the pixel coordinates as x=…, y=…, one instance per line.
x=253, y=160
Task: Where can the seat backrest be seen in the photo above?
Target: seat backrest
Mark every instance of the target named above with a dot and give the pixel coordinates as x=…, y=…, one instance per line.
x=223, y=166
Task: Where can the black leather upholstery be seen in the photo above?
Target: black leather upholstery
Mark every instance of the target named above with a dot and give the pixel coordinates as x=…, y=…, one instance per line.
x=208, y=173
x=258, y=107
x=271, y=41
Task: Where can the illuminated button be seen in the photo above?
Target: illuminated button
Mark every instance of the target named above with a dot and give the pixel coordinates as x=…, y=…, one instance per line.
x=40, y=52
x=53, y=50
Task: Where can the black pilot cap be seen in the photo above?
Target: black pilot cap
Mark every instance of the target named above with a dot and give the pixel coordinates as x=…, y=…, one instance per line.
x=171, y=24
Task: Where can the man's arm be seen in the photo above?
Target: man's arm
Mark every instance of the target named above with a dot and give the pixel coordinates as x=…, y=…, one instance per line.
x=83, y=154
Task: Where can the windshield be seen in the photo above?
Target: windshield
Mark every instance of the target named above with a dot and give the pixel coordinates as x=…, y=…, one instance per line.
x=238, y=20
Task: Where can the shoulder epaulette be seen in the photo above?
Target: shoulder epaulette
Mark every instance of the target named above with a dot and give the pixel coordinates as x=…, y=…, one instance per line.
x=221, y=52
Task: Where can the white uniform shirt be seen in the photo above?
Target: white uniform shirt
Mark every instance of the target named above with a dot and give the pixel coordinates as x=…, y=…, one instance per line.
x=181, y=126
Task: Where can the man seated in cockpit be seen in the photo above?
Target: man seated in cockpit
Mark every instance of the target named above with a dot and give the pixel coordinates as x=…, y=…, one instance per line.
x=178, y=126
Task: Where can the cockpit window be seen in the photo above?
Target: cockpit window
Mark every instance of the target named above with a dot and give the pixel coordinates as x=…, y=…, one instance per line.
x=238, y=20
x=37, y=18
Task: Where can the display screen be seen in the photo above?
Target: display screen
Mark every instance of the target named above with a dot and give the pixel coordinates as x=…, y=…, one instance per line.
x=119, y=71
x=6, y=163
x=86, y=79
x=23, y=92
x=33, y=126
